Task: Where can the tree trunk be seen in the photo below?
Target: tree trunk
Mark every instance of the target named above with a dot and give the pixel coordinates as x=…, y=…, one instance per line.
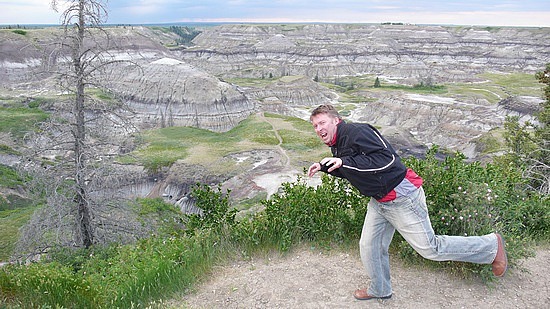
x=83, y=207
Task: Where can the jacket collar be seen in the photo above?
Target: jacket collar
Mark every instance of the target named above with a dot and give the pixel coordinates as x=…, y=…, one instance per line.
x=335, y=137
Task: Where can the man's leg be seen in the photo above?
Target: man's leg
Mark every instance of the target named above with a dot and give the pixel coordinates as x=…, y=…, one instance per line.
x=374, y=244
x=409, y=215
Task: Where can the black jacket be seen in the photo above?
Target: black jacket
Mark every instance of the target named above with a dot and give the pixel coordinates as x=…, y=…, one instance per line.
x=369, y=162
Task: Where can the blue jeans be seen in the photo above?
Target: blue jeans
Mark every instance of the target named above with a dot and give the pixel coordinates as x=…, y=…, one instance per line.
x=409, y=216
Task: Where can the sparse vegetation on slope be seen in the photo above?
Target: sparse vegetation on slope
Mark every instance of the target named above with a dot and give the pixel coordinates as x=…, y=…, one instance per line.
x=162, y=147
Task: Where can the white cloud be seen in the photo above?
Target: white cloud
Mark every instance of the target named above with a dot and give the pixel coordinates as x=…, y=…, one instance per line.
x=464, y=12
x=30, y=12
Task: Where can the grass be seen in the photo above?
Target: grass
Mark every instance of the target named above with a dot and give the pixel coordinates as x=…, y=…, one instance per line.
x=15, y=211
x=163, y=147
x=515, y=83
x=251, y=82
x=10, y=223
x=498, y=87
x=20, y=120
x=9, y=177
x=19, y=31
x=491, y=142
x=495, y=88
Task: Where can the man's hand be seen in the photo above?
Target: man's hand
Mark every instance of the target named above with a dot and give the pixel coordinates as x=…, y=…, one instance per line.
x=331, y=163
x=314, y=168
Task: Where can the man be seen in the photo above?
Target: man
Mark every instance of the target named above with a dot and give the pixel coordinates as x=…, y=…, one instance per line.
x=366, y=159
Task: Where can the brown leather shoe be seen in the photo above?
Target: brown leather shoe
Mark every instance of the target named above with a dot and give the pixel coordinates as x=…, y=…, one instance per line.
x=500, y=264
x=363, y=295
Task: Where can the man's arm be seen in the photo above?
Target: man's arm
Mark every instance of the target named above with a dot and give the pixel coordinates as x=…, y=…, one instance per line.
x=372, y=152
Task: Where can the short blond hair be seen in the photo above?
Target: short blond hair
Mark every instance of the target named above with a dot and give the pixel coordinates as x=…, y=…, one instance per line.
x=325, y=109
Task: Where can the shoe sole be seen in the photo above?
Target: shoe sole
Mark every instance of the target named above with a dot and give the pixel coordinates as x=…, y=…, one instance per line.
x=371, y=297
x=503, y=242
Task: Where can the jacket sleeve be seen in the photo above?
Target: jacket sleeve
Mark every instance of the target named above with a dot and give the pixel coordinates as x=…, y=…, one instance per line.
x=371, y=152
x=336, y=172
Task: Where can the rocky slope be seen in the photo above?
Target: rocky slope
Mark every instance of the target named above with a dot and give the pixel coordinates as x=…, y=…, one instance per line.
x=405, y=52
x=188, y=87
x=168, y=92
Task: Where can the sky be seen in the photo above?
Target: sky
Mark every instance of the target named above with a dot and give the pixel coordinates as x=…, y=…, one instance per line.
x=445, y=12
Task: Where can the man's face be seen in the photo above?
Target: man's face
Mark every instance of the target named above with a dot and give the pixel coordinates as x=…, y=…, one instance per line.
x=325, y=127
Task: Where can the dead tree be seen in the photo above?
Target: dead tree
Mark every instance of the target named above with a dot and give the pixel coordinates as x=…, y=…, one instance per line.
x=70, y=155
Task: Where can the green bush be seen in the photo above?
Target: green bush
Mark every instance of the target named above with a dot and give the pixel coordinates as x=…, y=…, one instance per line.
x=332, y=212
x=216, y=213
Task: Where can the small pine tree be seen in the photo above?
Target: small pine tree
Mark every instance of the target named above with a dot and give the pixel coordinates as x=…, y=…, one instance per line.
x=377, y=82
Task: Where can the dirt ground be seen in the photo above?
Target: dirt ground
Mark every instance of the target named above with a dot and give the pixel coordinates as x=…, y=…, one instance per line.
x=309, y=278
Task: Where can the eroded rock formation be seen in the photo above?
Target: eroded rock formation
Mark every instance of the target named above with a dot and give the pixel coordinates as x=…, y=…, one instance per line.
x=406, y=52
x=168, y=92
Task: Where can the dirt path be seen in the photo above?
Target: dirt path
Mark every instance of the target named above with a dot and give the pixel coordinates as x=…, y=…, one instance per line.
x=279, y=138
x=311, y=279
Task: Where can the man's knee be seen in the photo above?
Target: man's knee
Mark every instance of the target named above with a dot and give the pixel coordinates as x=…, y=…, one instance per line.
x=429, y=253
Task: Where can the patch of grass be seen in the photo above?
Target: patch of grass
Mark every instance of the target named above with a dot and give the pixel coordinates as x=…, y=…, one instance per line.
x=13, y=201
x=254, y=130
x=165, y=146
x=297, y=123
x=19, y=121
x=5, y=149
x=19, y=31
x=437, y=89
x=250, y=82
x=10, y=223
x=498, y=87
x=490, y=92
x=101, y=94
x=515, y=83
x=9, y=177
x=299, y=141
x=490, y=142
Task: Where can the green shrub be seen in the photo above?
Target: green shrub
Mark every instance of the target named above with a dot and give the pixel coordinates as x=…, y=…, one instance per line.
x=216, y=209
x=332, y=212
x=19, y=31
x=530, y=216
